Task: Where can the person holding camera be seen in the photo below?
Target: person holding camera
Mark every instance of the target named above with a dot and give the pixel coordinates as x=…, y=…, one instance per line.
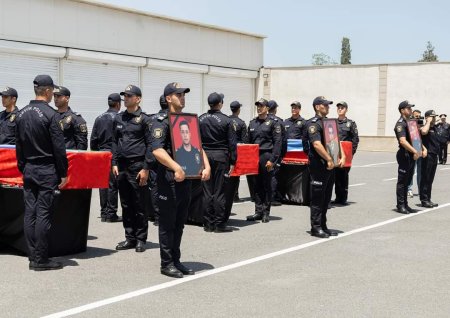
x=429, y=163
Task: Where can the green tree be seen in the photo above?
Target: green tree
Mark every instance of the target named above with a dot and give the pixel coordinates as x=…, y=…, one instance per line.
x=346, y=52
x=428, y=55
x=322, y=59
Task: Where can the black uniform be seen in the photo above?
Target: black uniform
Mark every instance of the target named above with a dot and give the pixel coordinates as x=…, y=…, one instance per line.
x=75, y=130
x=190, y=161
x=173, y=197
x=132, y=153
x=405, y=162
x=219, y=143
x=41, y=157
x=347, y=132
x=267, y=134
x=443, y=131
x=101, y=140
x=321, y=177
x=294, y=127
x=429, y=164
x=8, y=127
x=276, y=196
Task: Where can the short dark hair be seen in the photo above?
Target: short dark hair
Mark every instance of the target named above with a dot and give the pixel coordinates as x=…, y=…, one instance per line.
x=183, y=122
x=40, y=90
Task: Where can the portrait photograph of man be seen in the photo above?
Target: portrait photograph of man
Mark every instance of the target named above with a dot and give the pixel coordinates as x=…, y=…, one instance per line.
x=332, y=139
x=186, y=143
x=416, y=140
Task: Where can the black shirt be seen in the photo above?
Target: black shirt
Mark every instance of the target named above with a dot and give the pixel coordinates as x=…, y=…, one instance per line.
x=294, y=127
x=267, y=134
x=102, y=132
x=443, y=131
x=314, y=132
x=132, y=137
x=431, y=141
x=218, y=134
x=8, y=127
x=190, y=161
x=401, y=130
x=348, y=132
x=75, y=130
x=241, y=129
x=39, y=137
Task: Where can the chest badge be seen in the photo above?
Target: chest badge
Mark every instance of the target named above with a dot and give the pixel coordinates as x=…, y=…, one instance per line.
x=11, y=119
x=268, y=123
x=138, y=119
x=68, y=119
x=61, y=125
x=197, y=158
x=348, y=125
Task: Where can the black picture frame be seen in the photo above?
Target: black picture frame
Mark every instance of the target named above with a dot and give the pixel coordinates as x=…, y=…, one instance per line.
x=331, y=139
x=187, y=146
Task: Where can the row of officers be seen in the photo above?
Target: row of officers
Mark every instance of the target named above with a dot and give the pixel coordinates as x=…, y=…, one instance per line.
x=141, y=147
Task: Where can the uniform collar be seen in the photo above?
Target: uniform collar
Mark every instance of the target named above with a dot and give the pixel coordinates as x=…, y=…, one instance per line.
x=112, y=110
x=137, y=113
x=343, y=120
x=212, y=111
x=15, y=110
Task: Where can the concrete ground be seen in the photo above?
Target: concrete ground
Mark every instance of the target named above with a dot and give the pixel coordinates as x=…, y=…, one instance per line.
x=383, y=265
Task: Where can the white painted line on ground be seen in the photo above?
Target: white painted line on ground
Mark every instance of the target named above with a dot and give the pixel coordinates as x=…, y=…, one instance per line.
x=357, y=184
x=375, y=164
x=390, y=179
x=445, y=169
x=239, y=203
x=148, y=290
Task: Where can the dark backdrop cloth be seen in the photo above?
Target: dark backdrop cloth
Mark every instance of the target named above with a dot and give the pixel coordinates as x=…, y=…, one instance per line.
x=293, y=184
x=70, y=221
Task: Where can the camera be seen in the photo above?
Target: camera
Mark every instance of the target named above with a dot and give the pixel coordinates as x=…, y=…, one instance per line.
x=420, y=120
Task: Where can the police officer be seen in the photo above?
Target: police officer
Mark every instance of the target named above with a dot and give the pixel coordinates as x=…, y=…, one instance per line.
x=276, y=197
x=8, y=116
x=72, y=124
x=265, y=132
x=443, y=131
x=295, y=124
x=406, y=156
x=429, y=163
x=101, y=140
x=130, y=163
x=321, y=169
x=41, y=158
x=173, y=189
x=219, y=143
x=232, y=186
x=348, y=131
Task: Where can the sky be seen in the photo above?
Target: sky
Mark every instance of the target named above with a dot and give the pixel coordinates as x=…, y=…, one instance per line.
x=380, y=31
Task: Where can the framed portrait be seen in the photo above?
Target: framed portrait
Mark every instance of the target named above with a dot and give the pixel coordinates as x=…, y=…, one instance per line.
x=331, y=138
x=186, y=143
x=414, y=134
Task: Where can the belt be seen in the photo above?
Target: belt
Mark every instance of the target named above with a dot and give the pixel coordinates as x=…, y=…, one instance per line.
x=41, y=161
x=131, y=160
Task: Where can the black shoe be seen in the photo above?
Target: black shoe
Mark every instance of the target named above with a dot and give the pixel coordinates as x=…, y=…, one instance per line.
x=113, y=219
x=185, y=270
x=254, y=217
x=401, y=209
x=125, y=245
x=340, y=202
x=31, y=265
x=140, y=247
x=276, y=203
x=410, y=210
x=156, y=223
x=319, y=234
x=329, y=206
x=48, y=266
x=208, y=228
x=103, y=218
x=329, y=232
x=171, y=271
x=434, y=204
x=427, y=204
x=265, y=218
x=222, y=229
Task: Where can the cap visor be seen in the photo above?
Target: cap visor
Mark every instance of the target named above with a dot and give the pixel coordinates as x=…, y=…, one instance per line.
x=182, y=90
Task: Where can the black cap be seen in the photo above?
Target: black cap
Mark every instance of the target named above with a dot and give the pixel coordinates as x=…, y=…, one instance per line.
x=262, y=102
x=430, y=113
x=215, y=99
x=61, y=91
x=43, y=80
x=132, y=90
x=342, y=104
x=404, y=104
x=235, y=105
x=320, y=100
x=162, y=102
x=175, y=88
x=296, y=104
x=9, y=91
x=272, y=104
x=114, y=97
x=442, y=115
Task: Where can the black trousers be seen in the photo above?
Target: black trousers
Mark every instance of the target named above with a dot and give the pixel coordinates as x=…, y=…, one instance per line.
x=214, y=191
x=428, y=171
x=406, y=165
x=341, y=184
x=321, y=191
x=276, y=196
x=443, y=152
x=263, y=186
x=173, y=201
x=39, y=184
x=109, y=198
x=251, y=185
x=153, y=186
x=132, y=199
x=231, y=189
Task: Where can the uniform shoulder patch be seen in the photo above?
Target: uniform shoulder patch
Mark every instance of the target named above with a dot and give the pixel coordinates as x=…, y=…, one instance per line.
x=278, y=129
x=83, y=128
x=157, y=133
x=312, y=129
x=399, y=128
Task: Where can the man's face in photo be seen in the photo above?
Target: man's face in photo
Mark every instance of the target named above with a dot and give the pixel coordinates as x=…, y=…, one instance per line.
x=185, y=134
